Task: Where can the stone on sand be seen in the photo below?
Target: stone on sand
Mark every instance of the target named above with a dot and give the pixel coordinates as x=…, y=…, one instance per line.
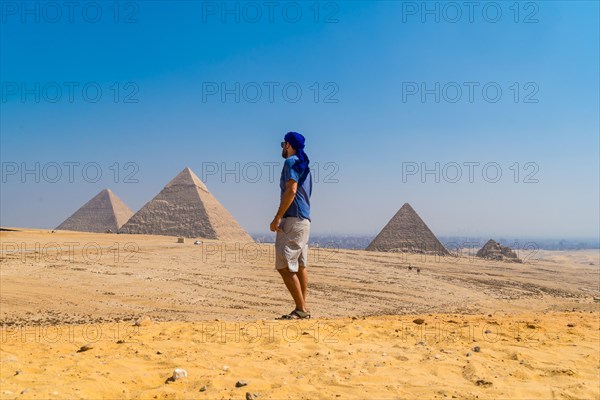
x=144, y=321
x=179, y=374
x=86, y=347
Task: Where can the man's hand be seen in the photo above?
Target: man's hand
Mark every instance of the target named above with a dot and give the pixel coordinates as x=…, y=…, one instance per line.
x=275, y=223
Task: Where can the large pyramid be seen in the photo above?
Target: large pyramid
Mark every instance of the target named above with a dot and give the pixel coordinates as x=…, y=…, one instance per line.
x=186, y=208
x=406, y=232
x=105, y=212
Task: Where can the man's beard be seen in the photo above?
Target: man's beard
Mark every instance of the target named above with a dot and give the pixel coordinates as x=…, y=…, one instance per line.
x=284, y=153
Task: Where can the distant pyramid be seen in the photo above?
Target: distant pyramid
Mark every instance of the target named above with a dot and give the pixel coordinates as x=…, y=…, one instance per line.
x=105, y=212
x=186, y=208
x=406, y=232
x=493, y=250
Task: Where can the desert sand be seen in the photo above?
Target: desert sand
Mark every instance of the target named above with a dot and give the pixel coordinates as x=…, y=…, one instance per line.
x=461, y=327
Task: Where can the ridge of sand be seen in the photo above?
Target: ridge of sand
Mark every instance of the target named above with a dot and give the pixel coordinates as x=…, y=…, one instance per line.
x=77, y=277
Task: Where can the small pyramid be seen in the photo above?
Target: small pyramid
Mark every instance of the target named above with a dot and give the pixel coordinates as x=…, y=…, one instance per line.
x=406, y=232
x=105, y=212
x=493, y=250
x=185, y=208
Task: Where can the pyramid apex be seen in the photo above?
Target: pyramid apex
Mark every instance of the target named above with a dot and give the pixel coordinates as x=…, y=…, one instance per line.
x=187, y=177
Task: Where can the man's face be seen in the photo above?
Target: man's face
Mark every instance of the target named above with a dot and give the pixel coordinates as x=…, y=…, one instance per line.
x=285, y=150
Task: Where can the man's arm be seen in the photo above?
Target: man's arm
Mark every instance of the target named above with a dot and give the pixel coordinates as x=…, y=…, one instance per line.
x=291, y=186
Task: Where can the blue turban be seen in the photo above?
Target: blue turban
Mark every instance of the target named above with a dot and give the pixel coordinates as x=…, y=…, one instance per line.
x=296, y=140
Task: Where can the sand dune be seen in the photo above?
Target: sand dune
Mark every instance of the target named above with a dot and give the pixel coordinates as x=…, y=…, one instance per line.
x=537, y=324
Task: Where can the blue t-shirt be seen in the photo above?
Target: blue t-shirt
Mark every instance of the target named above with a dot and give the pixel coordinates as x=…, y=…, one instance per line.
x=300, y=207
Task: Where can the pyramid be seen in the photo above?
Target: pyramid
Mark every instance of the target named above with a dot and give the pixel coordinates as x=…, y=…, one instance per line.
x=105, y=212
x=186, y=208
x=406, y=232
x=493, y=250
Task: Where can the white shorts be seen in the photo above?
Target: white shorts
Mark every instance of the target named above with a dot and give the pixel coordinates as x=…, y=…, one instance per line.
x=291, y=244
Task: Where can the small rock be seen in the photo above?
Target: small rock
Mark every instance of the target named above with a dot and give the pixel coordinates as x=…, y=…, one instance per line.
x=469, y=354
x=251, y=396
x=437, y=356
x=18, y=372
x=144, y=321
x=487, y=331
x=86, y=347
x=120, y=341
x=418, y=321
x=571, y=325
x=481, y=382
x=203, y=388
x=159, y=352
x=225, y=368
x=24, y=391
x=476, y=349
x=179, y=374
x=240, y=384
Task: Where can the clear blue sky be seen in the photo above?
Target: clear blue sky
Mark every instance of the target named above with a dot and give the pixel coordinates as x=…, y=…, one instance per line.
x=172, y=53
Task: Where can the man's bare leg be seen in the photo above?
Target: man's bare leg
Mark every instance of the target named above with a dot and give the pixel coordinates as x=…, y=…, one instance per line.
x=293, y=285
x=303, y=278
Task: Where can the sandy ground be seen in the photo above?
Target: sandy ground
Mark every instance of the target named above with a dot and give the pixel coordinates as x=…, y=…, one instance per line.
x=537, y=324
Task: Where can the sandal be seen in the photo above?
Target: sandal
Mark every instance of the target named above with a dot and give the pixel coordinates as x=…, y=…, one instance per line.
x=296, y=314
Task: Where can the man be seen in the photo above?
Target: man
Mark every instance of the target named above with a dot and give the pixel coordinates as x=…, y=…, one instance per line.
x=292, y=222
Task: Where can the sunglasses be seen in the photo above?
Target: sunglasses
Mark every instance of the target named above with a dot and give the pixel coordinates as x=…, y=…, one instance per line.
x=283, y=144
